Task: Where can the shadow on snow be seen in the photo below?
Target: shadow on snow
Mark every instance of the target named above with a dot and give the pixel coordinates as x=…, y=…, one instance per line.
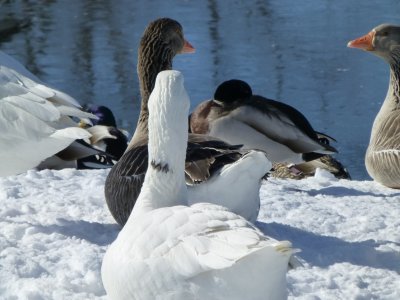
x=93, y=232
x=323, y=251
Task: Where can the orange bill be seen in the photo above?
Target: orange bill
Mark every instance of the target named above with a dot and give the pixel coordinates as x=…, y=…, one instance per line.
x=187, y=48
x=364, y=42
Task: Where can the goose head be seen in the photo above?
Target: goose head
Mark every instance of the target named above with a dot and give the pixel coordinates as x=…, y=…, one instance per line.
x=168, y=35
x=383, y=41
x=161, y=41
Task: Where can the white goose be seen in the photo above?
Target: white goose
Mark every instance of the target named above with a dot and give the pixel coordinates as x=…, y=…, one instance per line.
x=382, y=159
x=34, y=118
x=168, y=250
x=36, y=123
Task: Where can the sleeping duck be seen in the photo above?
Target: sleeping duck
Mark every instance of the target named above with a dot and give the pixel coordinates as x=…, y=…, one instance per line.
x=237, y=116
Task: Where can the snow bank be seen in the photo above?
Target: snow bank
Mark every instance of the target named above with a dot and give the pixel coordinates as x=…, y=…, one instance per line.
x=55, y=228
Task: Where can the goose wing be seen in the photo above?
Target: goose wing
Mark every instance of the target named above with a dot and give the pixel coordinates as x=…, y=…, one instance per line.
x=387, y=136
x=124, y=182
x=205, y=155
x=11, y=63
x=188, y=241
x=35, y=121
x=383, y=154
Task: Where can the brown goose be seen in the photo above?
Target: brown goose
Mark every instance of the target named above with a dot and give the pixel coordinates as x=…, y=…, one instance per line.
x=382, y=159
x=206, y=158
x=235, y=115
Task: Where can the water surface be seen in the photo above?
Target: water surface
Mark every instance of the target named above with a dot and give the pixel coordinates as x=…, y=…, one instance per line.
x=293, y=51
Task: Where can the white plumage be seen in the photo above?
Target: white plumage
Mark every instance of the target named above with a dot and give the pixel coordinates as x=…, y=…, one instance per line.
x=35, y=119
x=236, y=185
x=168, y=250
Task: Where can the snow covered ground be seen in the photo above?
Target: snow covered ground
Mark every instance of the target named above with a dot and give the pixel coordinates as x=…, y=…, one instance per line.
x=55, y=228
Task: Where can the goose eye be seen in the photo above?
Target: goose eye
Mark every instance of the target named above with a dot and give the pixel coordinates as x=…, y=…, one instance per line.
x=385, y=33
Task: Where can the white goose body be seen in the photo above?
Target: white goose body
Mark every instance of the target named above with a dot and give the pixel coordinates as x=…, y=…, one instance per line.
x=35, y=119
x=382, y=159
x=169, y=250
x=235, y=186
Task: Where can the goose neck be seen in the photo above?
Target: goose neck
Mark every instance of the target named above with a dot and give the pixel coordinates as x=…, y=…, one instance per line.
x=392, y=100
x=394, y=85
x=151, y=61
x=164, y=183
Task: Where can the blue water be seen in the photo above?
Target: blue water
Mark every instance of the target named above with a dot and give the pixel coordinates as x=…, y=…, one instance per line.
x=293, y=51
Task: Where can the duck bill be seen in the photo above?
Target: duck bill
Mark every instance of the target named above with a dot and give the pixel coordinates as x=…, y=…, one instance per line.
x=187, y=48
x=365, y=42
